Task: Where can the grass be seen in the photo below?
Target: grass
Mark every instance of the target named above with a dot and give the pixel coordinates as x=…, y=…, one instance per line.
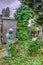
x=21, y=57
x=19, y=61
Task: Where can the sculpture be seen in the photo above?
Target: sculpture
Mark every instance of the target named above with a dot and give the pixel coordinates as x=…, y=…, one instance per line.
x=8, y=41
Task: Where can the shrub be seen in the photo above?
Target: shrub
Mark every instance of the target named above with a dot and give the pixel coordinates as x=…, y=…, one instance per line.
x=34, y=47
x=37, y=61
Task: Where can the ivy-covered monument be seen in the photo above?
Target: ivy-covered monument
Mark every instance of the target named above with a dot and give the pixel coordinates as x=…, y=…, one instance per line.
x=22, y=16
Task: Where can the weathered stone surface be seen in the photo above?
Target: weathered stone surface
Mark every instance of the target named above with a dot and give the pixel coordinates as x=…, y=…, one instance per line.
x=7, y=24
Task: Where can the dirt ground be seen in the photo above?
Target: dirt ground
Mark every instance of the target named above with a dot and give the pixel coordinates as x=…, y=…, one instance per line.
x=2, y=51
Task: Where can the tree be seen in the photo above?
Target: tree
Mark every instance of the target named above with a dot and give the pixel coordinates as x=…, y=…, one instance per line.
x=23, y=14
x=31, y=3
x=7, y=12
x=37, y=6
x=3, y=12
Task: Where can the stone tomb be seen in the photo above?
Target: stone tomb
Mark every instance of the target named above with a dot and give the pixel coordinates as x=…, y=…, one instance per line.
x=7, y=24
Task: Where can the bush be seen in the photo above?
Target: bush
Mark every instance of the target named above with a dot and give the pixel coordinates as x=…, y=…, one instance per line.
x=34, y=47
x=37, y=61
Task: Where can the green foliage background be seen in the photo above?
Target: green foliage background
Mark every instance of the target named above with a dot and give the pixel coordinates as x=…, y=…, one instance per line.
x=37, y=6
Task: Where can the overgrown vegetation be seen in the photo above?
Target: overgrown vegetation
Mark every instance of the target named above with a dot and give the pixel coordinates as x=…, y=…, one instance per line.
x=25, y=47
x=22, y=16
x=19, y=61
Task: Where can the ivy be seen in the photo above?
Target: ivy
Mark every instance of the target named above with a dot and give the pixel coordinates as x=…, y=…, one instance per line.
x=22, y=16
